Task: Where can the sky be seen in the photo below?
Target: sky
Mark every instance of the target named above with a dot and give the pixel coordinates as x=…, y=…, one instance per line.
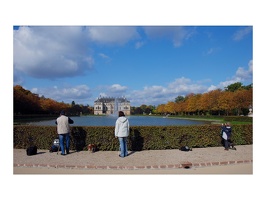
x=148, y=65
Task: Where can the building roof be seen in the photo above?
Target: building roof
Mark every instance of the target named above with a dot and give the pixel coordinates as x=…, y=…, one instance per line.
x=112, y=99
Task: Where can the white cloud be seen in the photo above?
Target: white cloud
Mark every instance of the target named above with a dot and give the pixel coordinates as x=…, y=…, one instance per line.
x=175, y=33
x=51, y=52
x=117, y=88
x=211, y=51
x=212, y=87
x=240, y=34
x=112, y=35
x=104, y=56
x=185, y=85
x=66, y=93
x=245, y=74
x=241, y=75
x=102, y=94
x=149, y=95
x=155, y=95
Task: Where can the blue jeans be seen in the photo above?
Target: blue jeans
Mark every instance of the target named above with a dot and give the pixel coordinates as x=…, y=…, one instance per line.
x=64, y=138
x=123, y=146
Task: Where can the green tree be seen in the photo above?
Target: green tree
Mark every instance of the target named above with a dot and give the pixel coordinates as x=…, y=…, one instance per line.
x=179, y=99
x=233, y=87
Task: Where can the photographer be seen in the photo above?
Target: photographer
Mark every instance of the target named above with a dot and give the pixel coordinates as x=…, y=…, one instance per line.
x=226, y=135
x=63, y=131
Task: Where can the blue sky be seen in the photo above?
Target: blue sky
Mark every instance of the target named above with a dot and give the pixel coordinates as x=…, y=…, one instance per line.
x=147, y=64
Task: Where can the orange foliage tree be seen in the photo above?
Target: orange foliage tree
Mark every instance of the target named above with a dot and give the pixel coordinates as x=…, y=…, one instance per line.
x=25, y=102
x=215, y=102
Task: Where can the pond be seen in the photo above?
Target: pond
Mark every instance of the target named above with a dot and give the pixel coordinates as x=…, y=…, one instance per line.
x=133, y=121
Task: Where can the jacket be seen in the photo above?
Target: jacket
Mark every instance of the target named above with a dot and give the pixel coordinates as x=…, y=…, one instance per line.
x=227, y=130
x=122, y=127
x=63, y=124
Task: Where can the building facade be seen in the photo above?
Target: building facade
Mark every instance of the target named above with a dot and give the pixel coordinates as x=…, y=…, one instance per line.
x=111, y=105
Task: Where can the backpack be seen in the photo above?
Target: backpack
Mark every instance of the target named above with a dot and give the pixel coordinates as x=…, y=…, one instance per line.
x=185, y=148
x=53, y=148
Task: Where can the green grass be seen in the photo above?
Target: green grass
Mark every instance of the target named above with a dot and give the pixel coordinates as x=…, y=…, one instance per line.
x=214, y=119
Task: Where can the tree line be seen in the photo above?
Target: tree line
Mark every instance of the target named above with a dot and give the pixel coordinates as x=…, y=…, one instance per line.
x=26, y=102
x=235, y=99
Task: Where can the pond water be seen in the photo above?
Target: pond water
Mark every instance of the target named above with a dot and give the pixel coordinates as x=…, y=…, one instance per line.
x=133, y=121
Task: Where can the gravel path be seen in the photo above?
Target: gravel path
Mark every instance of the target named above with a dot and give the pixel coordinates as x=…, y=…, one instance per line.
x=199, y=157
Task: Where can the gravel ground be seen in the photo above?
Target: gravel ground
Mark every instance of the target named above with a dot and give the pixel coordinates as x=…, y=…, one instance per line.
x=142, y=159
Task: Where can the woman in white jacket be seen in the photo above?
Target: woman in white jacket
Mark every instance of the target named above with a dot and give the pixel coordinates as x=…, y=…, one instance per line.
x=122, y=132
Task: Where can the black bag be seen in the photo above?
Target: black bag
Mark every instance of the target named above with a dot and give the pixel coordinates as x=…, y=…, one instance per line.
x=185, y=148
x=32, y=150
x=53, y=148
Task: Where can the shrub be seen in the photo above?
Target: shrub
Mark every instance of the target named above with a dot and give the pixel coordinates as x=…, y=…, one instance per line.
x=140, y=138
x=238, y=119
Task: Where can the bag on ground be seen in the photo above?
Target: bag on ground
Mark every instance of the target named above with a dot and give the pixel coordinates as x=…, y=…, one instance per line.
x=54, y=148
x=32, y=150
x=185, y=148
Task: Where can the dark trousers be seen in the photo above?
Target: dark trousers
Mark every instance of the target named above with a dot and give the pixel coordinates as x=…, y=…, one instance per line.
x=228, y=143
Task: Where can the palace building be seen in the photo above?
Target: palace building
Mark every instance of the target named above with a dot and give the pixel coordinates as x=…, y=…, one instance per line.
x=111, y=105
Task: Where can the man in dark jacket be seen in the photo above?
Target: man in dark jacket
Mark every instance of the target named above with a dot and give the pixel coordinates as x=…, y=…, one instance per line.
x=226, y=134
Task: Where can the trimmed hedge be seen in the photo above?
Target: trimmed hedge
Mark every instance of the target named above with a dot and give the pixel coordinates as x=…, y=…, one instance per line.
x=238, y=119
x=140, y=138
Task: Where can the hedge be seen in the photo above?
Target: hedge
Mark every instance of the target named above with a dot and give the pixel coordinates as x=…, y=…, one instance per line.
x=238, y=119
x=140, y=138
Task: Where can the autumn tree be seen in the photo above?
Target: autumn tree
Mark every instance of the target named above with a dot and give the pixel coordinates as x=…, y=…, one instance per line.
x=25, y=102
x=225, y=101
x=193, y=103
x=161, y=108
x=242, y=99
x=170, y=107
x=214, y=96
x=235, y=97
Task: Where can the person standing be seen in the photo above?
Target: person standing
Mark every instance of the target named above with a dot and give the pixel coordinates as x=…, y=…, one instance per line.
x=122, y=132
x=63, y=131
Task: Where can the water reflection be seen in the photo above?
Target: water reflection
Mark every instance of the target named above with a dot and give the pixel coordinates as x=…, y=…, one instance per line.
x=133, y=120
